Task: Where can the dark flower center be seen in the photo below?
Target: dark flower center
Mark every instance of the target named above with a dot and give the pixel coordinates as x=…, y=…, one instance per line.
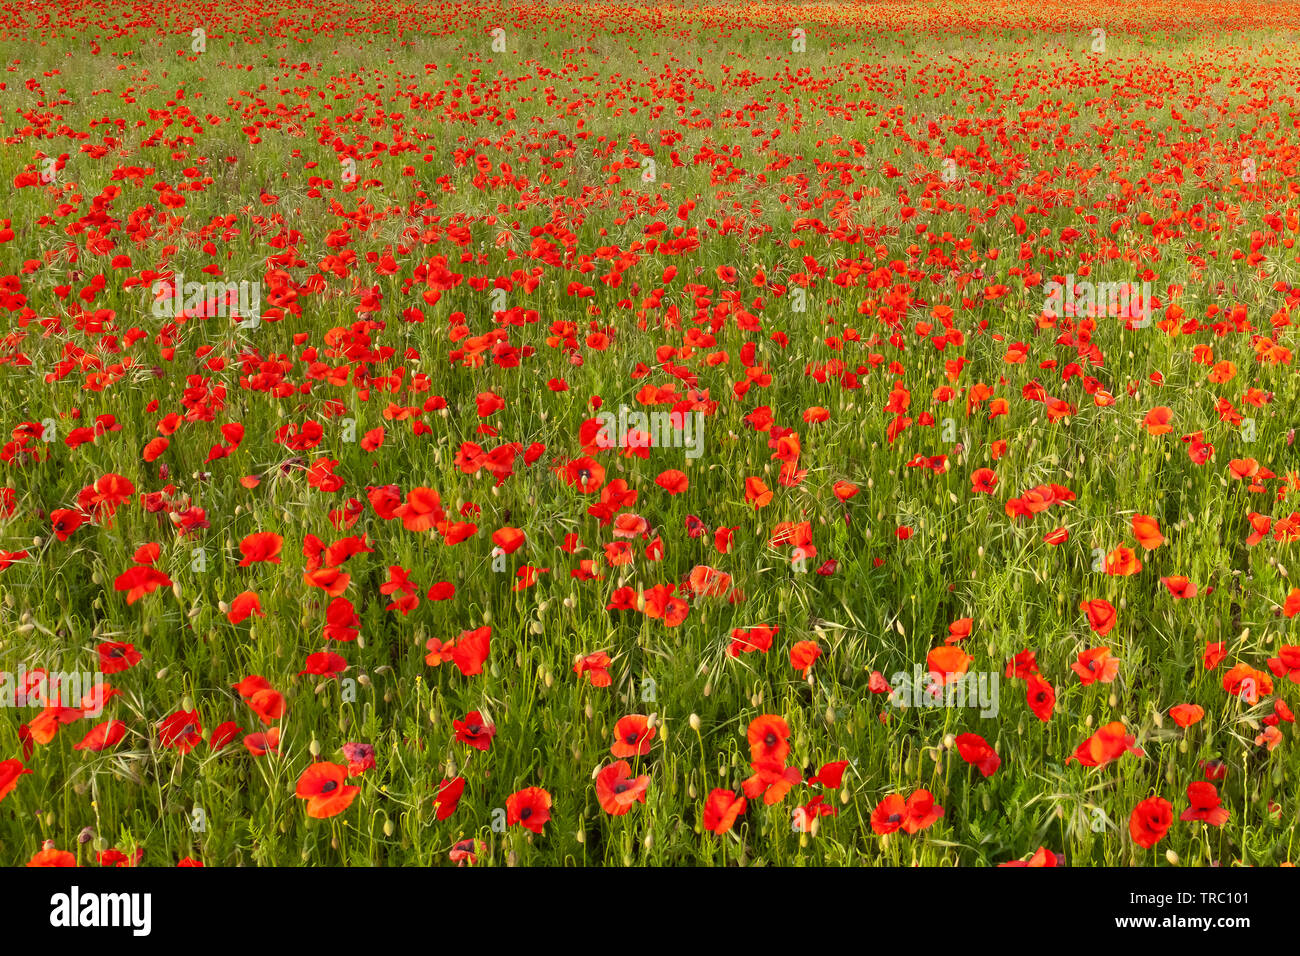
x=895, y=817
x=329, y=786
x=525, y=813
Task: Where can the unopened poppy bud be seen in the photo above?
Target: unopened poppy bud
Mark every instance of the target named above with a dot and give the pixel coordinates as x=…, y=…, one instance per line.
x=695, y=722
x=314, y=747
x=1172, y=857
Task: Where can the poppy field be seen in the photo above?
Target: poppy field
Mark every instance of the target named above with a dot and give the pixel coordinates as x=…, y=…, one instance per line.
x=602, y=434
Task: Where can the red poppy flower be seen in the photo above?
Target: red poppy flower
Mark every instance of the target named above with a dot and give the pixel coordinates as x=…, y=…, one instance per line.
x=1184, y=715
x=243, y=606
x=974, y=749
x=594, y=666
x=324, y=664
x=768, y=738
x=52, y=857
x=448, y=797
x=324, y=786
x=529, y=808
x=1205, y=805
x=139, y=581
x=830, y=775
x=1101, y=615
x=102, y=736
x=116, y=656
x=721, y=809
x=181, y=731
x=1150, y=821
x=1096, y=665
x=475, y=731
x=471, y=650
x=617, y=790
x=1041, y=697
x=632, y=736
x=10, y=771
x=803, y=655
x=260, y=546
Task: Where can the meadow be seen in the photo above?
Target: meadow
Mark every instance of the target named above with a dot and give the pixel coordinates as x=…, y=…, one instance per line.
x=553, y=434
